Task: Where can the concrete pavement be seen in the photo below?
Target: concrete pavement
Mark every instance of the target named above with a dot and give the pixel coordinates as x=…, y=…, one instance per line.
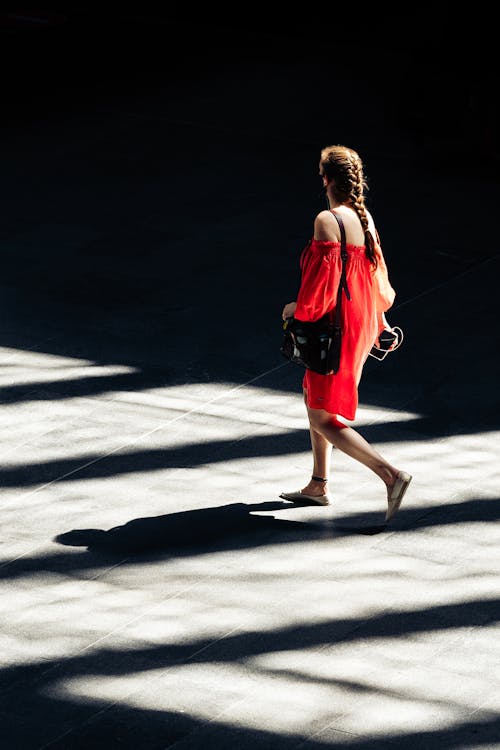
x=156, y=592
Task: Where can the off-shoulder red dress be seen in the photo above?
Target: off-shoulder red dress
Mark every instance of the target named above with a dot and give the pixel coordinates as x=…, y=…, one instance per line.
x=362, y=316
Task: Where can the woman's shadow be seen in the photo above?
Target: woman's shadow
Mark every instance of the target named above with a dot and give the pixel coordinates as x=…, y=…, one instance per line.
x=201, y=530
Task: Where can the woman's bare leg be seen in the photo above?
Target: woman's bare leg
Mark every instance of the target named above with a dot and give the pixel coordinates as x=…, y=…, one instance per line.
x=353, y=444
x=322, y=453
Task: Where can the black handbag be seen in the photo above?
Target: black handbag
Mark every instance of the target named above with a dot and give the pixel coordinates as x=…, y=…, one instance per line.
x=317, y=345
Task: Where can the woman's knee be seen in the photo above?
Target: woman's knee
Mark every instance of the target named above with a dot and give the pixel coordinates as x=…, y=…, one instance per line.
x=321, y=420
x=335, y=422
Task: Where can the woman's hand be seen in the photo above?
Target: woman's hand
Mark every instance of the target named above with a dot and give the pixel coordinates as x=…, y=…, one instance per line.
x=388, y=327
x=289, y=310
x=395, y=343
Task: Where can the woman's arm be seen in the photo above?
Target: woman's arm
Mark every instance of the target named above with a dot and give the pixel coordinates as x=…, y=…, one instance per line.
x=289, y=310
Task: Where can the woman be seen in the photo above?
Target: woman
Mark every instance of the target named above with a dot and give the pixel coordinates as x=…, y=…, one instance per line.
x=329, y=398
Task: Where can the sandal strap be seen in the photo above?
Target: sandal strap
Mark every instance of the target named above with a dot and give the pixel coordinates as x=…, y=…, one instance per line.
x=319, y=479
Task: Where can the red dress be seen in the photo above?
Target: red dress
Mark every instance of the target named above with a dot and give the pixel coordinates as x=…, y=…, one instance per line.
x=371, y=296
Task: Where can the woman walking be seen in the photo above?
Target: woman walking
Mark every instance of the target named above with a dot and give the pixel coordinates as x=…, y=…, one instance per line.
x=329, y=398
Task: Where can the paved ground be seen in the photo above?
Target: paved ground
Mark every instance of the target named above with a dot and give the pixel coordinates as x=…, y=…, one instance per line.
x=156, y=593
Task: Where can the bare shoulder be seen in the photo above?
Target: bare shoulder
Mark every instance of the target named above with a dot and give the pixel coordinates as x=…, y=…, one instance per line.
x=326, y=228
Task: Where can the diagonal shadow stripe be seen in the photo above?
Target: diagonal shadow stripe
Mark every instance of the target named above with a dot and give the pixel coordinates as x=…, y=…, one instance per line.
x=94, y=466
x=244, y=645
x=475, y=510
x=84, y=386
x=57, y=724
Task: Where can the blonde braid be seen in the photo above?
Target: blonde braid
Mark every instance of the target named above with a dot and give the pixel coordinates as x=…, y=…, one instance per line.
x=344, y=166
x=357, y=200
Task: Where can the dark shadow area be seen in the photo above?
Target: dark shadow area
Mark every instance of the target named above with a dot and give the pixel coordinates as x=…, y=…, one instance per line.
x=144, y=179
x=480, y=510
x=26, y=689
x=206, y=530
x=129, y=728
x=202, y=529
x=231, y=527
x=80, y=387
x=183, y=534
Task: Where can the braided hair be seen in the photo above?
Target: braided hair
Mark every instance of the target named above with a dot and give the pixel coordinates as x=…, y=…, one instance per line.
x=344, y=167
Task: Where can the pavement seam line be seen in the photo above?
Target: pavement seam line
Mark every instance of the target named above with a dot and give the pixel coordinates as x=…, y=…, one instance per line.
x=151, y=432
x=445, y=283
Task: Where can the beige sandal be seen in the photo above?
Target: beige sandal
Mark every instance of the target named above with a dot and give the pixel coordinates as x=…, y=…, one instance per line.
x=395, y=494
x=317, y=499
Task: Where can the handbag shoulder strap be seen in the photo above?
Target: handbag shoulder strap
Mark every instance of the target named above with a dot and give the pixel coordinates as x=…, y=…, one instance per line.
x=343, y=241
x=343, y=255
